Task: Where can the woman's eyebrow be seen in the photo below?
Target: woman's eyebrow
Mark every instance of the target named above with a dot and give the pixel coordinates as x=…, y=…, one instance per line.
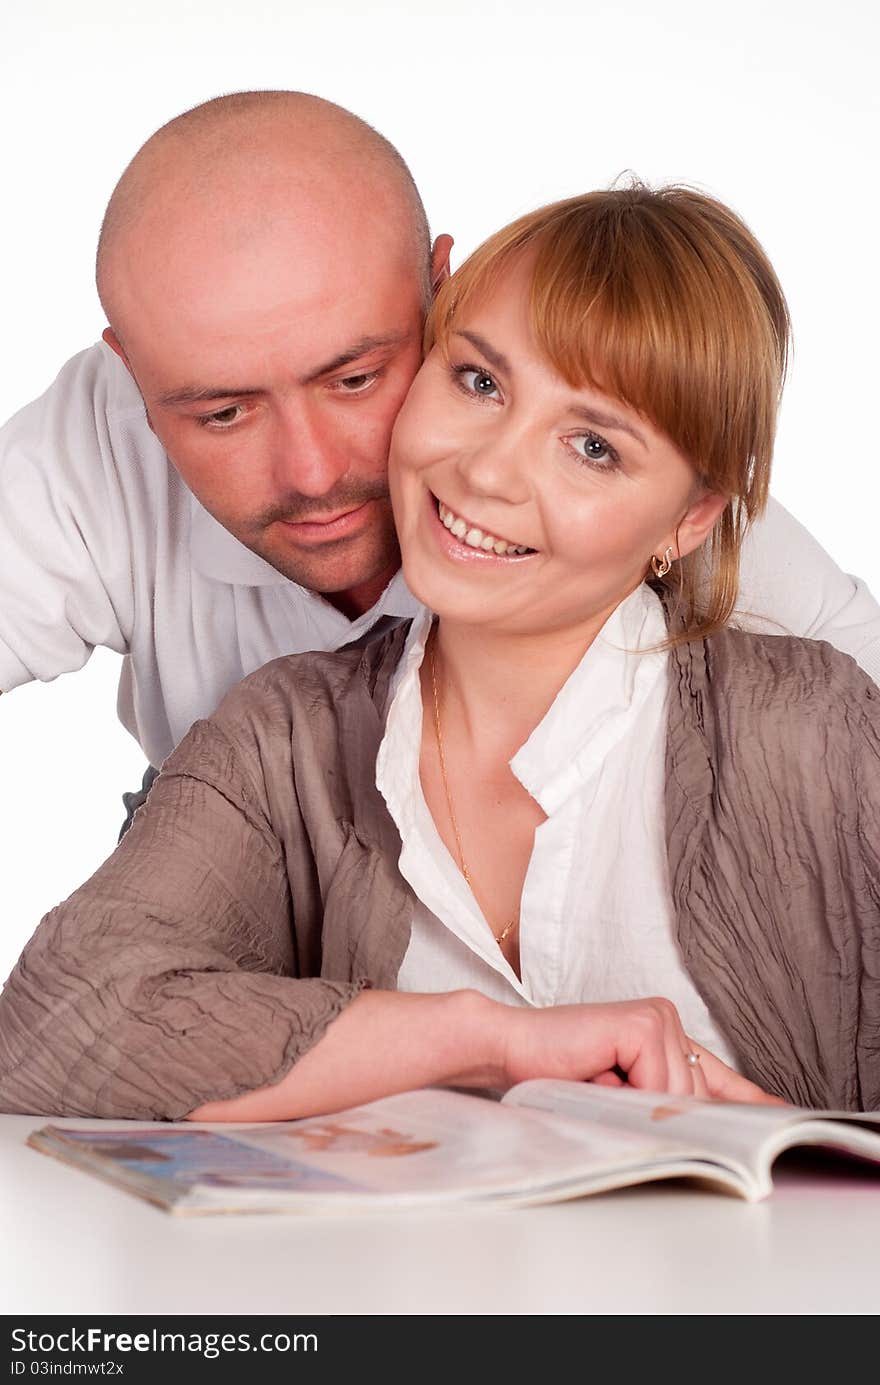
x=592, y=415
x=494, y=357
x=612, y=421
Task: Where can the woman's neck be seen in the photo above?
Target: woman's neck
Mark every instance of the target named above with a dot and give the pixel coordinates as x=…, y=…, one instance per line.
x=499, y=687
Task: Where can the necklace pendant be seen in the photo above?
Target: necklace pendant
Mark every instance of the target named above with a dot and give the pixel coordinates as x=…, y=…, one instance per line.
x=499, y=937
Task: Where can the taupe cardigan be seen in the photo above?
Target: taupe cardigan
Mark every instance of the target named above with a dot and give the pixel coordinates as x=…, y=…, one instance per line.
x=258, y=889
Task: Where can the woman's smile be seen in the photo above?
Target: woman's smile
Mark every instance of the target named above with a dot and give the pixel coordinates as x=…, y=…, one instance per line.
x=463, y=534
x=496, y=464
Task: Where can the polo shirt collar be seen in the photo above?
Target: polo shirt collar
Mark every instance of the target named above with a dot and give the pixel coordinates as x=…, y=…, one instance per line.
x=218, y=554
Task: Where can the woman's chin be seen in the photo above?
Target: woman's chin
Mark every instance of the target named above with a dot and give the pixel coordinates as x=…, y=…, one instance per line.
x=427, y=589
x=445, y=598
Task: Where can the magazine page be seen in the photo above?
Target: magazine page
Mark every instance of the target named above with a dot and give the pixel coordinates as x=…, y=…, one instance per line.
x=439, y=1144
x=417, y=1148
x=745, y=1136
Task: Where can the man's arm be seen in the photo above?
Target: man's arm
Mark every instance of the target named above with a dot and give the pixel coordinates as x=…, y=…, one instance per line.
x=65, y=571
x=790, y=586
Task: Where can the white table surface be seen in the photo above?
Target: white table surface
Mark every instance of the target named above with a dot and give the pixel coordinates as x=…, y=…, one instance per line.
x=72, y=1244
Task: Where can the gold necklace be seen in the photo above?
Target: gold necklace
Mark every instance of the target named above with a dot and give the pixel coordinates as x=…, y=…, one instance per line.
x=505, y=932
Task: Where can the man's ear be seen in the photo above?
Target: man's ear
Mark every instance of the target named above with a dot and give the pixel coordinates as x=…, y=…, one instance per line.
x=440, y=261
x=110, y=337
x=699, y=520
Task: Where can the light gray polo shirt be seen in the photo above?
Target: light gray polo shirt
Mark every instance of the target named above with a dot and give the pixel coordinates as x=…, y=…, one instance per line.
x=101, y=543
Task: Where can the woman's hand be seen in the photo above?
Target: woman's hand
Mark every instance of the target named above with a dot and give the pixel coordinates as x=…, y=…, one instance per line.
x=640, y=1043
x=386, y=1042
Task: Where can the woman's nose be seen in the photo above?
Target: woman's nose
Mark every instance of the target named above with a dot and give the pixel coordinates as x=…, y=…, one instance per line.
x=497, y=467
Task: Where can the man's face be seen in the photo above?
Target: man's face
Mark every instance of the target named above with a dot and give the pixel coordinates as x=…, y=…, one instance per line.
x=272, y=374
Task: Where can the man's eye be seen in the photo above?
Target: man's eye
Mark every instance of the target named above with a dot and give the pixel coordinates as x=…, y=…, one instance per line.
x=221, y=418
x=356, y=384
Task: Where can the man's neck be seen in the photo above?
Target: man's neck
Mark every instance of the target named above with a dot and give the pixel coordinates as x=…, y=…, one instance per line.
x=355, y=601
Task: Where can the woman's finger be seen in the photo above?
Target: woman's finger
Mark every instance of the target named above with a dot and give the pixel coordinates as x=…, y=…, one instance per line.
x=608, y=1079
x=685, y=1078
x=656, y=1060
x=701, y=1086
x=726, y=1085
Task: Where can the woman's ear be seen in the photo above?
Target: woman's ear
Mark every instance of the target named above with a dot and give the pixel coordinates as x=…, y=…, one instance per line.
x=698, y=522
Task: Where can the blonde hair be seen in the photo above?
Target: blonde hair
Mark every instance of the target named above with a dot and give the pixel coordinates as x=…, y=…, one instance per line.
x=663, y=299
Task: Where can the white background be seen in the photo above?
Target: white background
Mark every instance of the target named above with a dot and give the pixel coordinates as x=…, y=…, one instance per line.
x=498, y=105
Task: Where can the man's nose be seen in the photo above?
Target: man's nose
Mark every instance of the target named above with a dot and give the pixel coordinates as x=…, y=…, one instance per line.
x=309, y=456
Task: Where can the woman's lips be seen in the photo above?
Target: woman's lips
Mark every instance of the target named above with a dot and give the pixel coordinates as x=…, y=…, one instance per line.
x=459, y=551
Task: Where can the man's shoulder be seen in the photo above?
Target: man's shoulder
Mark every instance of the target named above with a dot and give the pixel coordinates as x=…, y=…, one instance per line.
x=86, y=447
x=91, y=415
x=99, y=371
x=93, y=379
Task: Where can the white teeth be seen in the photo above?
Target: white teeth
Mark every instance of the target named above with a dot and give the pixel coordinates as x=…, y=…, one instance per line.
x=477, y=538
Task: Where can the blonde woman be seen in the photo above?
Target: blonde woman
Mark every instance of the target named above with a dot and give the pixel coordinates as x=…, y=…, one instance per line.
x=462, y=854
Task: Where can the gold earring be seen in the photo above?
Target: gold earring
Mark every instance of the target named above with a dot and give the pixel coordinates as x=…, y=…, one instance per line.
x=660, y=566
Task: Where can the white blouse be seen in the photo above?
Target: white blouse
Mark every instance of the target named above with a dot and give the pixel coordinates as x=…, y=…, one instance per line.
x=596, y=920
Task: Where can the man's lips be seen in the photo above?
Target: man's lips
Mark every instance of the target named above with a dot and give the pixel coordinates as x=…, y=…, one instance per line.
x=324, y=528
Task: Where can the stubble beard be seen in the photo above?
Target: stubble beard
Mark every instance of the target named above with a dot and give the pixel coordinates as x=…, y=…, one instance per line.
x=338, y=565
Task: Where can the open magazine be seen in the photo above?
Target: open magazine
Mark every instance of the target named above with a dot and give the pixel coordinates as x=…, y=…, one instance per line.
x=544, y=1141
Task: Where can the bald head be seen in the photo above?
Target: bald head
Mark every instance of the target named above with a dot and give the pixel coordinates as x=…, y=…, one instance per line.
x=234, y=169
x=265, y=268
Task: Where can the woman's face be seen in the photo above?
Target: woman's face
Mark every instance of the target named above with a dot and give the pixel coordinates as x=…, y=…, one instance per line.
x=498, y=446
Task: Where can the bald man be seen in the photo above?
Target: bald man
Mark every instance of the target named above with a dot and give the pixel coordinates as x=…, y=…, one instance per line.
x=206, y=489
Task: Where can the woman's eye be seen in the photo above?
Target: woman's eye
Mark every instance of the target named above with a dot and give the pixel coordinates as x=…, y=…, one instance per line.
x=473, y=380
x=595, y=450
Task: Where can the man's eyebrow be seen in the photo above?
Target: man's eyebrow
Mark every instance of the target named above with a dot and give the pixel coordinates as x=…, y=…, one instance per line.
x=201, y=394
x=198, y=394
x=495, y=358
x=611, y=421
x=354, y=353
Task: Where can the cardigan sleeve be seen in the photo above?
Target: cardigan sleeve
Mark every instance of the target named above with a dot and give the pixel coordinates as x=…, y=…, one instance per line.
x=866, y=774
x=168, y=979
